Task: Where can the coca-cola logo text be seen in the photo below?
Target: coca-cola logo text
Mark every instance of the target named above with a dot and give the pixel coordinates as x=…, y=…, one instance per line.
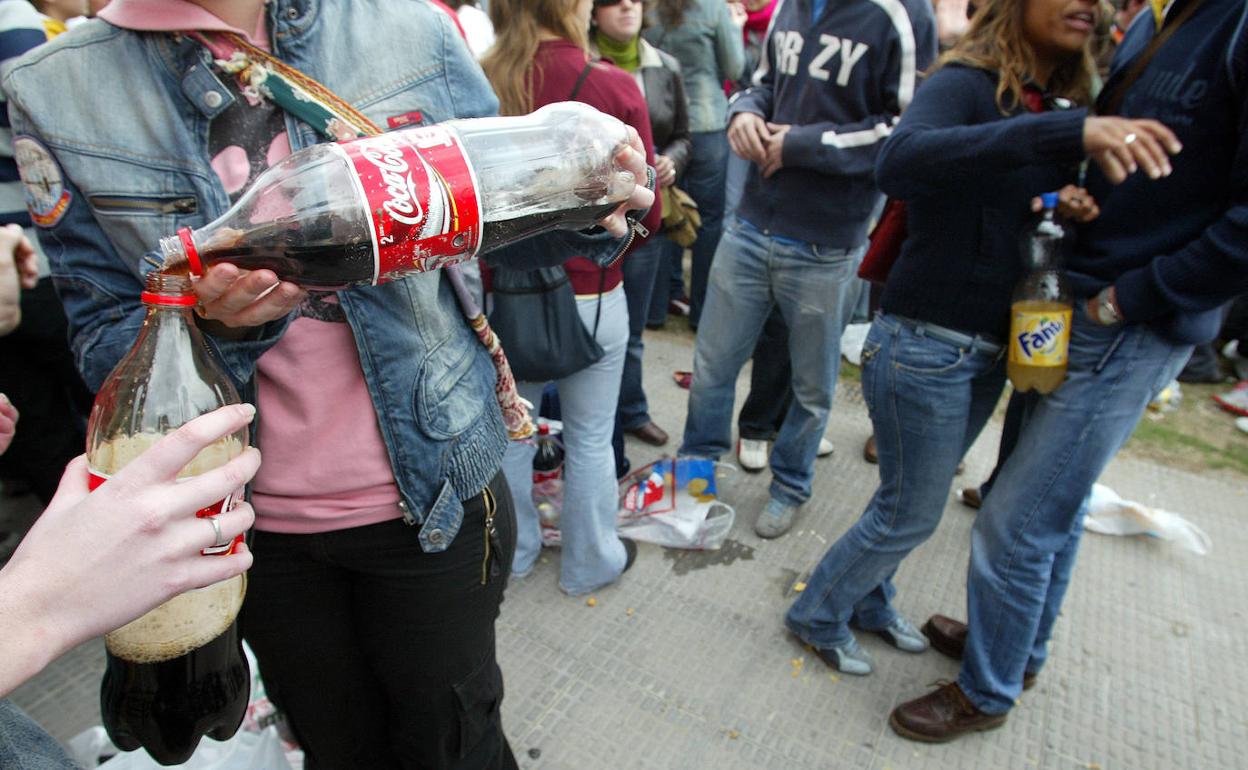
x=404, y=199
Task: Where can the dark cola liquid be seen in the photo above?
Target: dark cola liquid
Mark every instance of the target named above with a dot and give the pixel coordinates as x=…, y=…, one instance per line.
x=167, y=707
x=320, y=266
x=504, y=231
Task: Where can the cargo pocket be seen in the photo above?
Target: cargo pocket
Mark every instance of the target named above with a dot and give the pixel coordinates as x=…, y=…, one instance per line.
x=477, y=699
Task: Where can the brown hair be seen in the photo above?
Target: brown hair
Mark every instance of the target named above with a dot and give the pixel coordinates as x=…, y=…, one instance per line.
x=672, y=12
x=995, y=42
x=509, y=64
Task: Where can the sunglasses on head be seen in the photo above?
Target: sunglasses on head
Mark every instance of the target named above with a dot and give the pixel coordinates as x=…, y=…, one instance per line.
x=609, y=3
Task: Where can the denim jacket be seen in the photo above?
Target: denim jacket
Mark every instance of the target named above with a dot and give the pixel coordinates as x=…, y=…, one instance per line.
x=131, y=143
x=708, y=46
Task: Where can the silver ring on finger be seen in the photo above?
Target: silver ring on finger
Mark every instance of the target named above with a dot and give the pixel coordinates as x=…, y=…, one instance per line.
x=1129, y=138
x=218, y=540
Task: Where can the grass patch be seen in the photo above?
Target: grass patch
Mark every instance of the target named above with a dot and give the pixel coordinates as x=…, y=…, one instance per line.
x=1159, y=437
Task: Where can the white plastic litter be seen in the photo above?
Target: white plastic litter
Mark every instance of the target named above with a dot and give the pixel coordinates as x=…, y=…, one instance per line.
x=1109, y=514
x=852, y=340
x=245, y=751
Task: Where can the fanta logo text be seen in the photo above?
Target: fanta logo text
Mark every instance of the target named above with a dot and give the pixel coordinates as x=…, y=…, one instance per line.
x=1032, y=342
x=404, y=203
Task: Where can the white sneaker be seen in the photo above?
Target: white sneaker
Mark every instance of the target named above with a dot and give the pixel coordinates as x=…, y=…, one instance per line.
x=1242, y=423
x=825, y=448
x=752, y=454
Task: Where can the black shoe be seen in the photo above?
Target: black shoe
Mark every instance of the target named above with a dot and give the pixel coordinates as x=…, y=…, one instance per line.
x=630, y=553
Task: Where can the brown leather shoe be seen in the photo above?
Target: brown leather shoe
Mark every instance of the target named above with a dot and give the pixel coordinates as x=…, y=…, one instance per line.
x=869, y=452
x=650, y=434
x=948, y=637
x=940, y=716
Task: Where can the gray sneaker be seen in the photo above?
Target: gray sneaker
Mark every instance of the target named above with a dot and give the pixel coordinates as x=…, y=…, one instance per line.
x=775, y=519
x=849, y=658
x=902, y=634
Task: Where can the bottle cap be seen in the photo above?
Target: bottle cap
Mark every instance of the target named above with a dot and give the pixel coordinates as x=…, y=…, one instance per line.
x=1048, y=200
x=192, y=254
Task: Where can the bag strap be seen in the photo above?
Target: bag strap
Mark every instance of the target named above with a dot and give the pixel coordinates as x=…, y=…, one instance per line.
x=580, y=81
x=334, y=118
x=1113, y=101
x=602, y=279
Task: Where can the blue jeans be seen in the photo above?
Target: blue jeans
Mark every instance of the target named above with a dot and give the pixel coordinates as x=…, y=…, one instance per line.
x=929, y=398
x=23, y=744
x=810, y=284
x=640, y=267
x=669, y=280
x=592, y=555
x=705, y=178
x=1025, y=538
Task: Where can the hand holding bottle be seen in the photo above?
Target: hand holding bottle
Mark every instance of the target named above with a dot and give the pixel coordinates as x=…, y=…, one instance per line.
x=93, y=562
x=632, y=158
x=239, y=298
x=1073, y=203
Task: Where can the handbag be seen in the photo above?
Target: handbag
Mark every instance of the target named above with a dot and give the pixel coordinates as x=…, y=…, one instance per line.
x=884, y=242
x=681, y=218
x=536, y=319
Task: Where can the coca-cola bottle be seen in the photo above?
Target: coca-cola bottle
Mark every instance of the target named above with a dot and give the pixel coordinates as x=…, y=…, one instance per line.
x=548, y=461
x=177, y=673
x=372, y=209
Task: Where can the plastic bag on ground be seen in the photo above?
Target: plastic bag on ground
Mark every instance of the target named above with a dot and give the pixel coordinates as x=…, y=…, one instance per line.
x=852, y=341
x=673, y=502
x=1109, y=514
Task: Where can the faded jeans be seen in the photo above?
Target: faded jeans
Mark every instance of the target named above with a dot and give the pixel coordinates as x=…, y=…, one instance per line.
x=592, y=555
x=929, y=398
x=811, y=285
x=1025, y=537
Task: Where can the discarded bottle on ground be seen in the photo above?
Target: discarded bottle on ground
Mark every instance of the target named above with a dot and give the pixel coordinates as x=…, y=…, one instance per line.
x=373, y=209
x=548, y=461
x=1041, y=313
x=177, y=673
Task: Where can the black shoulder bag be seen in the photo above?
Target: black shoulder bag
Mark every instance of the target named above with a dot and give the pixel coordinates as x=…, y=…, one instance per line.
x=536, y=319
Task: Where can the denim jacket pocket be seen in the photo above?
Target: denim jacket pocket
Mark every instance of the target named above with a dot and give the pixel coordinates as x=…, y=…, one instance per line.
x=449, y=396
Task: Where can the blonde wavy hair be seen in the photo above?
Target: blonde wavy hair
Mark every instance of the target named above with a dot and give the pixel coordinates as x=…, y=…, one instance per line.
x=510, y=65
x=995, y=42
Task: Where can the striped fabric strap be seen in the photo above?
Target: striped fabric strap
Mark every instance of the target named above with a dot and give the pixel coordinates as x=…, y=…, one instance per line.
x=335, y=119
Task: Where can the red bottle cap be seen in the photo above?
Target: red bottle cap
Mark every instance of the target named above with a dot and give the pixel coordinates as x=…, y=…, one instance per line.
x=151, y=298
x=192, y=254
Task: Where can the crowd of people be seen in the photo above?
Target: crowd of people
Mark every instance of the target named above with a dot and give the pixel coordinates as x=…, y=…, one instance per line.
x=786, y=121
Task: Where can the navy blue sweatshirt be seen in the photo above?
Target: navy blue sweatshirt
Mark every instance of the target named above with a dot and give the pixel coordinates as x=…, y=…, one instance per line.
x=968, y=174
x=840, y=82
x=1177, y=248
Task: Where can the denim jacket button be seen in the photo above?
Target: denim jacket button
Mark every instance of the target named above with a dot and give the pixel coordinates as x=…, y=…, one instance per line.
x=436, y=536
x=213, y=99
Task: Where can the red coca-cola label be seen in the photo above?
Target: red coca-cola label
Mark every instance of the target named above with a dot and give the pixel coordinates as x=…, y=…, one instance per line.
x=421, y=194
x=95, y=479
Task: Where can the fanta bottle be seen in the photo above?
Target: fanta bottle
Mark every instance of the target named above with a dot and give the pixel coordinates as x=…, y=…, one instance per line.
x=1040, y=316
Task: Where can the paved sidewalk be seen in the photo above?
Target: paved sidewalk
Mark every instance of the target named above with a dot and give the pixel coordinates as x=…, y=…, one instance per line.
x=684, y=663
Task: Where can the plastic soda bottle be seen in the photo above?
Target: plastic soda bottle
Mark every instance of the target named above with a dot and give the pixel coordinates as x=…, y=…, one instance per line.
x=374, y=209
x=1041, y=312
x=177, y=673
x=548, y=462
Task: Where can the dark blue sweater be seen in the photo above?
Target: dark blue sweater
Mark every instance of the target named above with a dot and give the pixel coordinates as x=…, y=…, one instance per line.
x=840, y=82
x=1176, y=249
x=968, y=174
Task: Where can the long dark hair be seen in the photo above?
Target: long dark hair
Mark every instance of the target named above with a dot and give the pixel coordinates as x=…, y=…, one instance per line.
x=995, y=42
